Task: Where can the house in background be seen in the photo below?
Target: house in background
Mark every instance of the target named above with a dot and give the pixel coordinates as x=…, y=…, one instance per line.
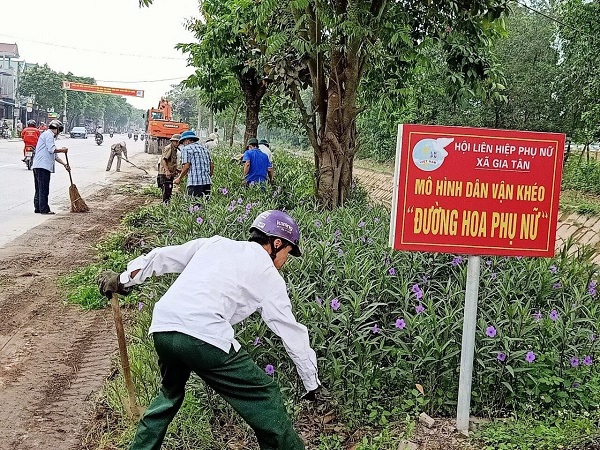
x=10, y=67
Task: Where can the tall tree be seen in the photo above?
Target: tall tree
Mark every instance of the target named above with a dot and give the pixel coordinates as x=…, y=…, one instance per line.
x=342, y=41
x=579, y=31
x=228, y=47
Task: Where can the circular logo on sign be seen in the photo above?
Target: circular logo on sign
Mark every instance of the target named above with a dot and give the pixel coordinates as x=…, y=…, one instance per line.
x=429, y=154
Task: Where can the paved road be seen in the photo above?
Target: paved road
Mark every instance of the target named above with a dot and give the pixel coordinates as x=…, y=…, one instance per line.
x=88, y=163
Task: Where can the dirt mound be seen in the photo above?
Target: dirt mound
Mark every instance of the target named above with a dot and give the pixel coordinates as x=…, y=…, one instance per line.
x=54, y=357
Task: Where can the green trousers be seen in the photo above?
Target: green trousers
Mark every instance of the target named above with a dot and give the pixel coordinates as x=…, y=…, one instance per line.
x=234, y=376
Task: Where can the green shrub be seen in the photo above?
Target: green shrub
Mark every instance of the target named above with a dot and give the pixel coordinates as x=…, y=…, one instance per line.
x=381, y=321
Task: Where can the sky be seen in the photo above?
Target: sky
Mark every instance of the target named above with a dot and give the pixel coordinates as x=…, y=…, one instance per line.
x=114, y=41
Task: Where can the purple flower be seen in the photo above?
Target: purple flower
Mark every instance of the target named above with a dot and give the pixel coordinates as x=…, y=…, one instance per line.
x=553, y=269
x=574, y=361
x=256, y=341
x=340, y=252
x=223, y=191
x=592, y=288
x=457, y=261
x=501, y=357
x=530, y=357
x=537, y=316
x=269, y=369
x=556, y=286
x=489, y=262
x=199, y=220
x=419, y=295
x=240, y=201
x=490, y=331
x=392, y=271
x=375, y=329
x=328, y=220
x=587, y=361
x=415, y=288
x=493, y=276
x=248, y=207
x=230, y=208
x=361, y=224
x=592, y=337
x=400, y=324
x=140, y=306
x=376, y=220
x=142, y=243
x=554, y=315
x=419, y=308
x=575, y=385
x=369, y=241
x=319, y=301
x=335, y=304
x=336, y=235
x=317, y=224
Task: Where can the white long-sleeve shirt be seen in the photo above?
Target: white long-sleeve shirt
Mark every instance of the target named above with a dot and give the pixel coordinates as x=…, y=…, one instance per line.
x=222, y=282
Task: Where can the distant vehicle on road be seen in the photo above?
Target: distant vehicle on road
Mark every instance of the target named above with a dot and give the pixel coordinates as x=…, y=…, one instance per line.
x=79, y=132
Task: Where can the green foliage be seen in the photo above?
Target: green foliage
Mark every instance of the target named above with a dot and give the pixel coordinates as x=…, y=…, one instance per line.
x=46, y=86
x=582, y=175
x=398, y=323
x=531, y=434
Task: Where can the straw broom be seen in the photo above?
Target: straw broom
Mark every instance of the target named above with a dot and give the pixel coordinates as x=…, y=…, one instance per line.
x=77, y=203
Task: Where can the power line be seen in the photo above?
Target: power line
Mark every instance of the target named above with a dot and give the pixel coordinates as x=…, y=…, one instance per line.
x=93, y=50
x=143, y=81
x=553, y=19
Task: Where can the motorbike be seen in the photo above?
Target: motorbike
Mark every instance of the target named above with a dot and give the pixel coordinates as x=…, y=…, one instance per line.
x=28, y=160
x=129, y=135
x=142, y=136
x=111, y=134
x=135, y=137
x=99, y=138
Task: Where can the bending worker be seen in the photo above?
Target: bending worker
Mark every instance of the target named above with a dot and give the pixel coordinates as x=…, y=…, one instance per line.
x=116, y=150
x=222, y=282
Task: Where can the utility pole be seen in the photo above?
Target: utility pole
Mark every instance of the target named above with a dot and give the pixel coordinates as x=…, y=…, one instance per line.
x=65, y=123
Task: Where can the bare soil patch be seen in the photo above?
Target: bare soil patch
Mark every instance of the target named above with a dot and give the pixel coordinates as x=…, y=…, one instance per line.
x=54, y=357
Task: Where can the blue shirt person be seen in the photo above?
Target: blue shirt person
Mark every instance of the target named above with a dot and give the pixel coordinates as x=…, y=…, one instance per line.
x=196, y=163
x=257, y=167
x=43, y=166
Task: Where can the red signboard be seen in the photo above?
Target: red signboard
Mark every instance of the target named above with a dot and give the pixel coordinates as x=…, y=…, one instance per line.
x=94, y=88
x=476, y=191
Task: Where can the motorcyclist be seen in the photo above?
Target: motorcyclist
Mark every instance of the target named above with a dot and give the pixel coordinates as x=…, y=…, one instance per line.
x=30, y=136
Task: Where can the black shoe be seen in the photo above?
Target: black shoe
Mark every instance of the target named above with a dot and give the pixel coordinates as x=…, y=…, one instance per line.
x=36, y=211
x=48, y=212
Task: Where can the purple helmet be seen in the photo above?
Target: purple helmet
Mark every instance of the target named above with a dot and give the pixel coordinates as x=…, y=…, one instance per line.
x=278, y=224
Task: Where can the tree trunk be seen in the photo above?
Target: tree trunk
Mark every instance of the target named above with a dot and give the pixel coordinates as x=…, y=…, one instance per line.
x=233, y=122
x=335, y=154
x=254, y=89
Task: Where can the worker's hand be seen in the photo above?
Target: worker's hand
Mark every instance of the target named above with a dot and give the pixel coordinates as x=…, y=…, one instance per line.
x=64, y=149
x=108, y=283
x=177, y=180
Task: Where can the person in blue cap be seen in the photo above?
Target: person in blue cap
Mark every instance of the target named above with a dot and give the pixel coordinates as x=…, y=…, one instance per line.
x=196, y=163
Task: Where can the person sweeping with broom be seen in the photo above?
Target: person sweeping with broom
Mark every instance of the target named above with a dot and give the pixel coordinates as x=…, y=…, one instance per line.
x=43, y=166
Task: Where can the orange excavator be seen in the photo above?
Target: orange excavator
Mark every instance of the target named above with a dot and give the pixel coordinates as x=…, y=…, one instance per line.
x=160, y=127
